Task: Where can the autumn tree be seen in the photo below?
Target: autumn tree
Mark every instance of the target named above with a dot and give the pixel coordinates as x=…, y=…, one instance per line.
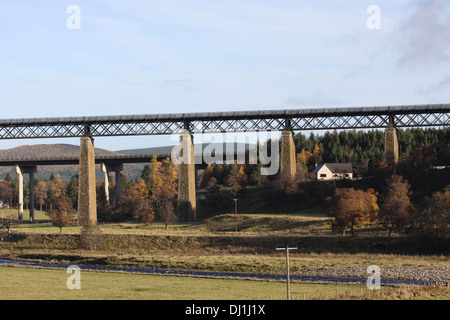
x=164, y=197
x=61, y=214
x=303, y=159
x=236, y=178
x=133, y=205
x=396, y=209
x=40, y=193
x=147, y=213
x=142, y=189
x=155, y=178
x=286, y=184
x=7, y=223
x=352, y=207
x=211, y=183
x=207, y=175
x=219, y=173
x=447, y=191
x=434, y=220
x=55, y=189
x=57, y=184
x=6, y=191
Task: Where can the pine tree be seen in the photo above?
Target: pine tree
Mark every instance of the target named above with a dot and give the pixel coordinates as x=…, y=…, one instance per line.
x=145, y=175
x=72, y=191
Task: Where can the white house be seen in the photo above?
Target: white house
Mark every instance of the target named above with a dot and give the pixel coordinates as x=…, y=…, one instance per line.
x=334, y=171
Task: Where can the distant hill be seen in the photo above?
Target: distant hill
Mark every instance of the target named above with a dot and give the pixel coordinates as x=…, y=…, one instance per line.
x=48, y=150
x=154, y=150
x=55, y=150
x=168, y=149
x=131, y=171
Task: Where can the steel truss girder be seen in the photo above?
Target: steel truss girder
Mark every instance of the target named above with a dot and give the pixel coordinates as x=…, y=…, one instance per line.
x=251, y=121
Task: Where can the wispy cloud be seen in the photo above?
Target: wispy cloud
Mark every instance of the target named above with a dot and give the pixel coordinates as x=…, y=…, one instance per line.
x=424, y=37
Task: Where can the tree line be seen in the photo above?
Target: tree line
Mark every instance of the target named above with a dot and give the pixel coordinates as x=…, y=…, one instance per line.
x=153, y=195
x=392, y=210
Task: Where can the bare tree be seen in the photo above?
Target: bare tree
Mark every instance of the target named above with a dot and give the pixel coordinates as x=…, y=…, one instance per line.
x=396, y=209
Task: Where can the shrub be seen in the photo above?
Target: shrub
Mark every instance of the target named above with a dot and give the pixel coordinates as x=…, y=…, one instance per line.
x=212, y=225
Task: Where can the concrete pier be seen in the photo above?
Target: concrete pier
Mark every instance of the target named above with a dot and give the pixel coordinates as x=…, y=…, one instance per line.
x=106, y=179
x=21, y=170
x=117, y=169
x=20, y=195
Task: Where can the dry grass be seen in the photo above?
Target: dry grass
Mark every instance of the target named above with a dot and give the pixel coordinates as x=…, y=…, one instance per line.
x=402, y=292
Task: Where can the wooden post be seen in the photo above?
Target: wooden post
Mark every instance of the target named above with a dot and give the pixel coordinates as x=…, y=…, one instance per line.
x=287, y=268
x=235, y=214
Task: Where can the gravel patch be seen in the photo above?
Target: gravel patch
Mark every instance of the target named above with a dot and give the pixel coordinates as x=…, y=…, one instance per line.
x=440, y=275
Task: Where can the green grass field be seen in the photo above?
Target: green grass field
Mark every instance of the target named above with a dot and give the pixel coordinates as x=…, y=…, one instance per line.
x=34, y=283
x=19, y=283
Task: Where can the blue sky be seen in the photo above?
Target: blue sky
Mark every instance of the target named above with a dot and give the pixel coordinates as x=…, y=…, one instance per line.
x=137, y=57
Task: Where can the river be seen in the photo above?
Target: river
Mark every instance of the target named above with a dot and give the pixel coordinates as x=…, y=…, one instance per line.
x=213, y=274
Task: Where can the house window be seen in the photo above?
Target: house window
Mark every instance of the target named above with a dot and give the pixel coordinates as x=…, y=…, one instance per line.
x=323, y=175
x=347, y=175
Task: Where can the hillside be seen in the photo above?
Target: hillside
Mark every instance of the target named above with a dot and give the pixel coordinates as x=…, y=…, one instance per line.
x=168, y=149
x=154, y=150
x=48, y=150
x=55, y=150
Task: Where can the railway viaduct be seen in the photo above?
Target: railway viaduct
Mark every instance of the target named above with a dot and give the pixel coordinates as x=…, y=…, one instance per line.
x=187, y=124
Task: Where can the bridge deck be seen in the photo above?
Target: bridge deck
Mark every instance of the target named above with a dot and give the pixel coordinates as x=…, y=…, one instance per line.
x=214, y=122
x=119, y=159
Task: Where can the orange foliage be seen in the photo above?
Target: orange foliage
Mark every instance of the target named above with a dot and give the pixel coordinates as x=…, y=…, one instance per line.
x=352, y=207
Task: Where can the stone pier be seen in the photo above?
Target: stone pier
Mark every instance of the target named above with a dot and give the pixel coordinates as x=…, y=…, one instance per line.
x=87, y=198
x=391, y=147
x=287, y=156
x=187, y=207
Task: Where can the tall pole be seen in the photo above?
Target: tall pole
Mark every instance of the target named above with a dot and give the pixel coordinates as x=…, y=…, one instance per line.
x=287, y=269
x=32, y=196
x=235, y=214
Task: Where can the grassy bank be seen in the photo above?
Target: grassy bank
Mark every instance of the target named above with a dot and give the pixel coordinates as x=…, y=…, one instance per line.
x=217, y=253
x=234, y=243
